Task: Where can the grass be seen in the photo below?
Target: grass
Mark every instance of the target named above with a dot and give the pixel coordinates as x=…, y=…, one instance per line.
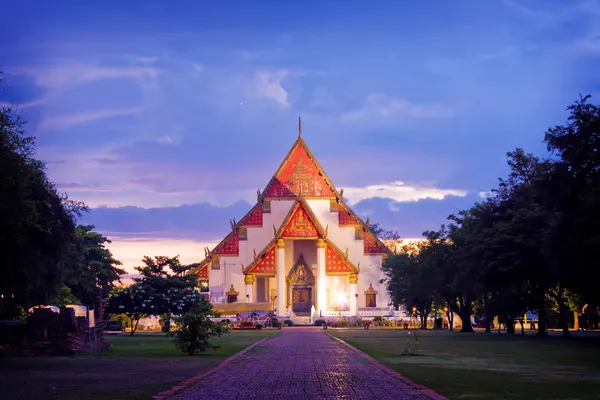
x=135, y=367
x=479, y=366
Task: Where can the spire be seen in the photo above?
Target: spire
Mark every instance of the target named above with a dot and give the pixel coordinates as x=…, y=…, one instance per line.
x=299, y=127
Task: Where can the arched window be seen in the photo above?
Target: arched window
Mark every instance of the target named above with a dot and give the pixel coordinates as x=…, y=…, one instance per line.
x=371, y=296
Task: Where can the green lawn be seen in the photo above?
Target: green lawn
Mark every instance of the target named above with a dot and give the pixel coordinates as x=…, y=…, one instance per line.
x=479, y=366
x=133, y=368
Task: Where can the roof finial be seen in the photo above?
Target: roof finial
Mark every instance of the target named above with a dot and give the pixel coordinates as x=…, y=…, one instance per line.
x=299, y=127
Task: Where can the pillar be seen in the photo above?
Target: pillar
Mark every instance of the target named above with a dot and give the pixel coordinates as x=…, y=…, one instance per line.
x=321, y=298
x=353, y=291
x=281, y=277
x=249, y=281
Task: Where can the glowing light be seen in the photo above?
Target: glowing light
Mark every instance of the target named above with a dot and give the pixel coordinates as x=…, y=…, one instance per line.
x=340, y=297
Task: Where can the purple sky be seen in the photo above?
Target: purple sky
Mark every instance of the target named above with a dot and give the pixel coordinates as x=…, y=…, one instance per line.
x=166, y=117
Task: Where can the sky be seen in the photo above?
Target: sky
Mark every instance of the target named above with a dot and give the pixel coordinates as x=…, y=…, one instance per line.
x=165, y=117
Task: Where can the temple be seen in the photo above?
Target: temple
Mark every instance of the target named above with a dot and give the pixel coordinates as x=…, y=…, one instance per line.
x=300, y=252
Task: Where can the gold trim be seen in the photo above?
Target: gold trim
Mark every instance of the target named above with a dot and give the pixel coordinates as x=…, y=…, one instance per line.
x=232, y=291
x=355, y=268
x=249, y=279
x=320, y=243
x=309, y=153
x=366, y=230
x=353, y=279
x=313, y=218
x=259, y=257
x=280, y=243
x=370, y=290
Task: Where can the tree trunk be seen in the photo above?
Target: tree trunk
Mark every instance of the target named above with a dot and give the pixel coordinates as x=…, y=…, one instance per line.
x=465, y=316
x=423, y=322
x=542, y=316
x=564, y=312
x=488, y=322
x=510, y=325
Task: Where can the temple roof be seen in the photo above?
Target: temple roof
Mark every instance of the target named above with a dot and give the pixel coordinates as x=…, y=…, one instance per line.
x=301, y=222
x=300, y=174
x=299, y=177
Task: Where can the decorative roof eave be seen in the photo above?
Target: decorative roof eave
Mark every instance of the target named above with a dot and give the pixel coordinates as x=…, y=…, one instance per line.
x=302, y=143
x=366, y=228
x=202, y=271
x=259, y=257
x=215, y=251
x=343, y=207
x=248, y=215
x=355, y=268
x=313, y=218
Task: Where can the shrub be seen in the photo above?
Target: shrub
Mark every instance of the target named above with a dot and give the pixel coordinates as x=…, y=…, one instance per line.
x=288, y=322
x=340, y=323
x=194, y=329
x=320, y=322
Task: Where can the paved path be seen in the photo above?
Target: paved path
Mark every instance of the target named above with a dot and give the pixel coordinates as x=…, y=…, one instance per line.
x=300, y=363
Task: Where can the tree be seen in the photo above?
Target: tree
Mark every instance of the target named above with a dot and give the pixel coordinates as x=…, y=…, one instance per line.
x=411, y=280
x=165, y=286
x=93, y=265
x=577, y=173
x=134, y=302
x=390, y=238
x=194, y=328
x=37, y=224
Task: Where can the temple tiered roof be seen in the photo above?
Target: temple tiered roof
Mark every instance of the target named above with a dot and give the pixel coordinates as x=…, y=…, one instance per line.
x=299, y=178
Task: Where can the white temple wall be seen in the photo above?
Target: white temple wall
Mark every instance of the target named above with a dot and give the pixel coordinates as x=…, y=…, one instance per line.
x=259, y=237
x=342, y=236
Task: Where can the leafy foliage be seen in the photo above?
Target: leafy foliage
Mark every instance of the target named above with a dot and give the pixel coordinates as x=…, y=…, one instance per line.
x=194, y=328
x=47, y=258
x=165, y=287
x=533, y=244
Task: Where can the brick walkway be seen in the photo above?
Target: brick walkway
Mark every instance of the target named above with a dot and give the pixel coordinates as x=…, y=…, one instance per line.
x=300, y=363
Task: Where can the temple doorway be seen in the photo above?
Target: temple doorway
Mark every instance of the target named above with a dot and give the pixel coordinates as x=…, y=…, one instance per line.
x=301, y=281
x=301, y=299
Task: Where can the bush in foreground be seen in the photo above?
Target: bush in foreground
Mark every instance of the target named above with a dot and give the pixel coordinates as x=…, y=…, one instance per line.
x=194, y=328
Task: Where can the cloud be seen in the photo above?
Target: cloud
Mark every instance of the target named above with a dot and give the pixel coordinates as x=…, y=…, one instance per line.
x=542, y=17
x=381, y=106
x=268, y=85
x=411, y=219
x=398, y=192
x=589, y=44
x=63, y=121
x=77, y=73
x=200, y=221
x=131, y=250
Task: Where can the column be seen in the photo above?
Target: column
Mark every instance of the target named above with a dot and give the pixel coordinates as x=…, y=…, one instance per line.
x=352, y=292
x=381, y=298
x=249, y=281
x=321, y=298
x=281, y=277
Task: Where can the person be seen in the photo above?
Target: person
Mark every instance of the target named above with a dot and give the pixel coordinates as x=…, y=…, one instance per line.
x=366, y=325
x=325, y=325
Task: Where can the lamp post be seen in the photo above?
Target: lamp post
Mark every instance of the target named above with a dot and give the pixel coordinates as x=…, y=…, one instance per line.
x=414, y=313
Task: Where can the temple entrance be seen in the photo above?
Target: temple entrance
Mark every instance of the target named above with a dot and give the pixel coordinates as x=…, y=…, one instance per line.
x=300, y=282
x=301, y=299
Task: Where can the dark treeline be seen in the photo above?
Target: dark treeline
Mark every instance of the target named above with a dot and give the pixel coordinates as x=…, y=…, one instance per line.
x=47, y=258
x=533, y=244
